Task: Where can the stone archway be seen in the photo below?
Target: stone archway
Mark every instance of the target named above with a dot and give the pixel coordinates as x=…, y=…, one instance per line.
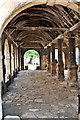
x=18, y=7
x=31, y=59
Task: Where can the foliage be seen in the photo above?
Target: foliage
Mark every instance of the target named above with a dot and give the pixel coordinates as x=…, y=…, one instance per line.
x=31, y=53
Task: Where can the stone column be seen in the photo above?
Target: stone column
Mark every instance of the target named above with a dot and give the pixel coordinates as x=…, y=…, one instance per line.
x=43, y=62
x=49, y=64
x=60, y=66
x=2, y=67
x=16, y=59
x=1, y=63
x=10, y=77
x=53, y=60
x=40, y=61
x=19, y=58
x=66, y=53
x=72, y=68
x=12, y=59
x=43, y=59
x=79, y=60
x=14, y=54
x=22, y=60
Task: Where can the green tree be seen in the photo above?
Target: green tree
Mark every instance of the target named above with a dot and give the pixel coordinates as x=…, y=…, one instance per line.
x=31, y=53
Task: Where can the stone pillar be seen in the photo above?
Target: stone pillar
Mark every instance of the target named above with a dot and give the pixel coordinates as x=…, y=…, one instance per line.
x=14, y=55
x=22, y=60
x=6, y=60
x=53, y=60
x=79, y=60
x=16, y=58
x=49, y=63
x=10, y=77
x=12, y=59
x=72, y=68
x=1, y=61
x=43, y=59
x=40, y=61
x=60, y=66
x=66, y=53
x=2, y=67
x=43, y=62
x=66, y=61
x=19, y=58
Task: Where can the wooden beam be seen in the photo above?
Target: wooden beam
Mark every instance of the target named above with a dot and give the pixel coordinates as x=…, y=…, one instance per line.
x=76, y=26
x=11, y=38
x=31, y=47
x=37, y=28
x=73, y=28
x=27, y=42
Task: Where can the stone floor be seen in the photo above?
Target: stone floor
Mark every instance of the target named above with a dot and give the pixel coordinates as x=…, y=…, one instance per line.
x=35, y=94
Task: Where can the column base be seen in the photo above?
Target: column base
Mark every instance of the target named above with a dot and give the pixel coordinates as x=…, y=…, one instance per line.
x=60, y=72
x=54, y=76
x=53, y=70
x=4, y=87
x=72, y=83
x=18, y=68
x=49, y=67
x=60, y=79
x=72, y=73
x=72, y=76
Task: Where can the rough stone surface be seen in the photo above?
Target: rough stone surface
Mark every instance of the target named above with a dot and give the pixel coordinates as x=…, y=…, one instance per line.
x=8, y=117
x=35, y=94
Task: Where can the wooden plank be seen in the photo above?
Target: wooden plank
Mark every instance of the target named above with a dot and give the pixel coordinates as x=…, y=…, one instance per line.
x=11, y=38
x=73, y=28
x=76, y=26
x=38, y=28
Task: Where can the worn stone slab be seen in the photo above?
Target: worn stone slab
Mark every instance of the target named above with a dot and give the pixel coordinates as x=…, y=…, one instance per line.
x=8, y=117
x=33, y=110
x=38, y=100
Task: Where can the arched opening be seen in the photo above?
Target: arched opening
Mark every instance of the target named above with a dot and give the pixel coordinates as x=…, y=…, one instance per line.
x=44, y=23
x=31, y=59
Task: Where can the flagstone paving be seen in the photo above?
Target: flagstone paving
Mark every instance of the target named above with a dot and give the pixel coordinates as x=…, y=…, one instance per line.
x=36, y=94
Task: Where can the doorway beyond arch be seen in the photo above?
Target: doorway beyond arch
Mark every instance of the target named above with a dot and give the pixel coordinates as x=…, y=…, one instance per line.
x=31, y=59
